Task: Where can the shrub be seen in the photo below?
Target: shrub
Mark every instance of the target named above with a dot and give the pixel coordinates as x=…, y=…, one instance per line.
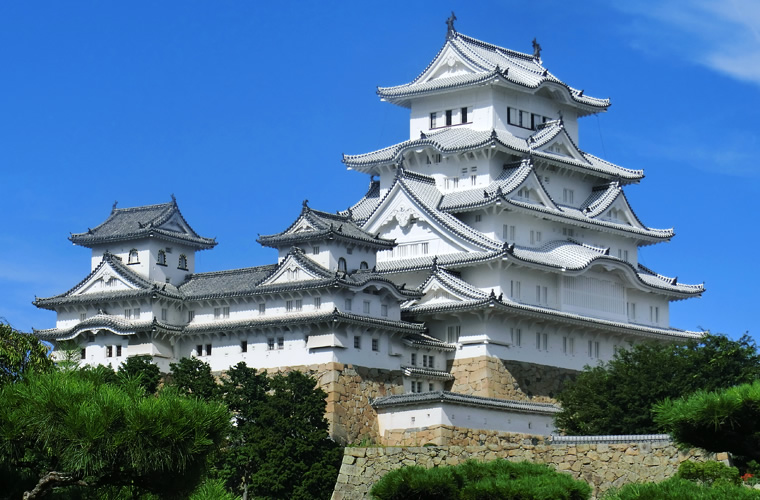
x=472, y=480
x=677, y=488
x=709, y=473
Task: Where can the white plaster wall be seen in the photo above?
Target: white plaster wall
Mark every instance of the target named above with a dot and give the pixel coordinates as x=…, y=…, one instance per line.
x=479, y=100
x=505, y=98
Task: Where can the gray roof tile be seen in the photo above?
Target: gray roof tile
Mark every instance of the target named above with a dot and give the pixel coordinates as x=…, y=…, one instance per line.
x=434, y=397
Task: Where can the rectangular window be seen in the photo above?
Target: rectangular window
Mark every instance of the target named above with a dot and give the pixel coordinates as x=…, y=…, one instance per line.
x=463, y=114
x=508, y=233
x=451, y=183
x=190, y=316
x=535, y=237
x=164, y=314
x=217, y=312
x=375, y=345
x=225, y=312
x=262, y=309
x=118, y=351
x=525, y=121
x=109, y=351
x=516, y=336
x=424, y=361
x=424, y=248
x=366, y=307
x=542, y=295
x=299, y=304
x=474, y=176
x=82, y=316
x=478, y=218
x=593, y=349
x=127, y=313
x=288, y=305
x=623, y=254
x=350, y=250
x=384, y=310
x=208, y=349
x=199, y=350
x=280, y=342
x=243, y=346
x=431, y=387
x=448, y=117
x=431, y=361
x=452, y=333
x=513, y=116
x=631, y=309
x=414, y=359
x=569, y=232
x=568, y=195
x=314, y=250
x=83, y=353
x=514, y=289
x=270, y=344
x=654, y=314
x=317, y=302
x=357, y=342
x=433, y=120
x=136, y=313
x=348, y=304
x=568, y=345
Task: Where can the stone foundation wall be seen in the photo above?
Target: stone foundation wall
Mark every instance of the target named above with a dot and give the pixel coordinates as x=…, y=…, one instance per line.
x=349, y=390
x=445, y=435
x=602, y=466
x=496, y=378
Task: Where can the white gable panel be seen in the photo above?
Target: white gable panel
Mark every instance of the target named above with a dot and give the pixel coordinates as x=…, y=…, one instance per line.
x=291, y=270
x=107, y=279
x=449, y=63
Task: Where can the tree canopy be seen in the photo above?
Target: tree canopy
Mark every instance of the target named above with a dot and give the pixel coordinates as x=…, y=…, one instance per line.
x=20, y=353
x=68, y=428
x=722, y=420
x=617, y=397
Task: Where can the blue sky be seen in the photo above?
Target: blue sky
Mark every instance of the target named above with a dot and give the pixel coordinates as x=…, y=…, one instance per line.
x=243, y=109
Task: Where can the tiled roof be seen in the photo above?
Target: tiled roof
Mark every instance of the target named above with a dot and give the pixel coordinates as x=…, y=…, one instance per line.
x=422, y=189
x=421, y=398
x=452, y=283
x=429, y=373
x=142, y=222
x=364, y=207
x=144, y=287
x=426, y=341
x=459, y=259
x=116, y=324
x=490, y=61
x=322, y=226
x=611, y=439
x=417, y=311
x=460, y=139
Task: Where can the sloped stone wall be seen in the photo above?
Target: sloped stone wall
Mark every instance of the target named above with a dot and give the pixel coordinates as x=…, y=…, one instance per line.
x=496, y=378
x=349, y=390
x=602, y=466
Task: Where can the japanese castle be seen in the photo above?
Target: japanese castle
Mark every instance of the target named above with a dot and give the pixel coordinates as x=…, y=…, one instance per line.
x=489, y=261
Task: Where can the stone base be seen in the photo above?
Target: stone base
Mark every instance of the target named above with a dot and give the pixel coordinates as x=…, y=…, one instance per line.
x=492, y=377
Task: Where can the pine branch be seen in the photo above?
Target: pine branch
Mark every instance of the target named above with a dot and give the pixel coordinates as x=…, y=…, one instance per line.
x=51, y=480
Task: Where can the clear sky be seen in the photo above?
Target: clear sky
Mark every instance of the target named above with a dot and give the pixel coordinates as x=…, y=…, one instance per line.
x=243, y=109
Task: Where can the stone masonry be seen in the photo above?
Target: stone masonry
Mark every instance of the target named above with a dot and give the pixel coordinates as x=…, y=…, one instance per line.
x=496, y=378
x=602, y=466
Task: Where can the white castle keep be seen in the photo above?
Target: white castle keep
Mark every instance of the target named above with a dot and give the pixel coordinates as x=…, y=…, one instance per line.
x=490, y=260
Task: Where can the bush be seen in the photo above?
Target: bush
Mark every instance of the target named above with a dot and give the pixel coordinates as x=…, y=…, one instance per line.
x=677, y=488
x=709, y=473
x=472, y=480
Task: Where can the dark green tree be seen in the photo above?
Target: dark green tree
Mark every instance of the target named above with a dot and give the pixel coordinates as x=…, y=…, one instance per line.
x=193, y=377
x=142, y=368
x=617, y=397
x=21, y=353
x=722, y=420
x=71, y=429
x=280, y=447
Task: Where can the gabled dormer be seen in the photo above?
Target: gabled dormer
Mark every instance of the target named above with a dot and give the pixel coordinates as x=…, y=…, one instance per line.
x=334, y=241
x=154, y=241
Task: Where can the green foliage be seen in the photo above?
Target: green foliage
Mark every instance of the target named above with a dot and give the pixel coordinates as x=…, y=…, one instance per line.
x=212, y=490
x=192, y=376
x=107, y=435
x=498, y=479
x=709, y=473
x=280, y=447
x=678, y=488
x=723, y=420
x=617, y=397
x=142, y=368
x=20, y=353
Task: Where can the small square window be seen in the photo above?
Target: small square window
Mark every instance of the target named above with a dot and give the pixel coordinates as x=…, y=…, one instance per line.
x=448, y=117
x=190, y=316
x=280, y=342
x=109, y=351
x=217, y=312
x=366, y=307
x=118, y=351
x=199, y=350
x=208, y=349
x=164, y=314
x=414, y=359
x=270, y=344
x=384, y=310
x=262, y=308
x=299, y=304
x=431, y=387
x=82, y=316
x=315, y=250
x=463, y=114
x=317, y=302
x=375, y=345
x=243, y=346
x=225, y=312
x=348, y=304
x=357, y=342
x=83, y=353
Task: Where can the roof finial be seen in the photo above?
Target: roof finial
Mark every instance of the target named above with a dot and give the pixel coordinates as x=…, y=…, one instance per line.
x=450, y=23
x=536, y=50
x=435, y=263
x=114, y=206
x=305, y=204
x=174, y=200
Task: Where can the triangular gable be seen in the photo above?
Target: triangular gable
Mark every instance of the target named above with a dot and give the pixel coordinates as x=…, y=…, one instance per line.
x=620, y=212
x=443, y=287
x=530, y=190
x=562, y=145
x=107, y=277
x=404, y=216
x=294, y=268
x=177, y=224
x=449, y=62
x=301, y=226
